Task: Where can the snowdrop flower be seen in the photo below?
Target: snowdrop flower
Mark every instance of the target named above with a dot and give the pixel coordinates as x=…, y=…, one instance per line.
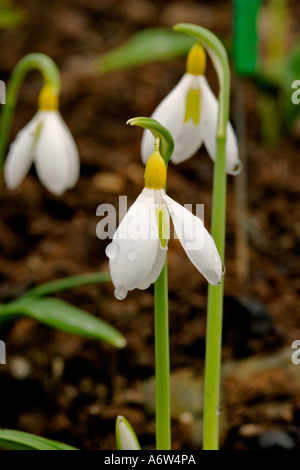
x=138, y=251
x=190, y=113
x=47, y=142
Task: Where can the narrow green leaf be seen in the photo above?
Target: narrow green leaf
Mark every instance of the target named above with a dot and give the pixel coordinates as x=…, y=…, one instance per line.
x=148, y=45
x=68, y=283
x=63, y=316
x=18, y=440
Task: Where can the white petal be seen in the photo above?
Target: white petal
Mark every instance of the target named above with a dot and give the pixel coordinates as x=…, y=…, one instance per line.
x=20, y=155
x=210, y=115
x=196, y=241
x=52, y=154
x=171, y=113
x=156, y=269
x=72, y=153
x=134, y=249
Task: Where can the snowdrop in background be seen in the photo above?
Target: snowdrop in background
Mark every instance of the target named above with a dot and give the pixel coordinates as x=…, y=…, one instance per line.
x=46, y=139
x=190, y=113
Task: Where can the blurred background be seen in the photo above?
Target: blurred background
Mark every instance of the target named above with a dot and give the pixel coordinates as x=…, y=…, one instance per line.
x=71, y=389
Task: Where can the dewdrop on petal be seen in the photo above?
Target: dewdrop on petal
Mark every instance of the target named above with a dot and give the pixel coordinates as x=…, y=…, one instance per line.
x=138, y=250
x=47, y=142
x=190, y=113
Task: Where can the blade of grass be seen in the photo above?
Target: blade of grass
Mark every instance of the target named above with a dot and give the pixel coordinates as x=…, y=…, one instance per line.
x=63, y=316
x=68, y=283
x=18, y=440
x=149, y=45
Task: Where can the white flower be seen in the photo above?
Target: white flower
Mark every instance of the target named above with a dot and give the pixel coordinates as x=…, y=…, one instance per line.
x=46, y=141
x=190, y=113
x=138, y=251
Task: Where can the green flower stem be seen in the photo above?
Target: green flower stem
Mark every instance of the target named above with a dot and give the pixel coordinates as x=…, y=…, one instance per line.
x=212, y=373
x=51, y=76
x=162, y=362
x=164, y=141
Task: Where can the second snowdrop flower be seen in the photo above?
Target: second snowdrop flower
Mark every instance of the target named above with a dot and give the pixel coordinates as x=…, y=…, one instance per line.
x=190, y=113
x=138, y=251
x=47, y=142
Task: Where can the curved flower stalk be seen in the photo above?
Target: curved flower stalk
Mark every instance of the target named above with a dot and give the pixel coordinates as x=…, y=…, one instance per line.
x=137, y=253
x=47, y=142
x=190, y=113
x=125, y=436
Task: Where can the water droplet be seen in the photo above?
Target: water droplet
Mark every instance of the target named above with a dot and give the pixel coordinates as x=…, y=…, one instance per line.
x=238, y=168
x=120, y=293
x=223, y=270
x=132, y=255
x=111, y=250
x=219, y=411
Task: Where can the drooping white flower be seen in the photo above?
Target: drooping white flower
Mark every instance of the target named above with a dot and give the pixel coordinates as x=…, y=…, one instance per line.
x=190, y=113
x=138, y=250
x=46, y=141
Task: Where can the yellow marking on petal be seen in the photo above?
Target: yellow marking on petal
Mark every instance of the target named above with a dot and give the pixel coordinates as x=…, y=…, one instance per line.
x=48, y=101
x=196, y=60
x=37, y=133
x=162, y=224
x=192, y=106
x=155, y=171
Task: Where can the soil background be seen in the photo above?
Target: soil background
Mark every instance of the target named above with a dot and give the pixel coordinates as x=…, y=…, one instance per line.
x=72, y=389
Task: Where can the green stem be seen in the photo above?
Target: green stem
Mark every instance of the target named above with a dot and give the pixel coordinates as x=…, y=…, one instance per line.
x=162, y=362
x=213, y=347
x=50, y=73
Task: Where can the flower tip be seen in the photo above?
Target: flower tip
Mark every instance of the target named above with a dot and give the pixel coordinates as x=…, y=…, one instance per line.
x=120, y=293
x=120, y=419
x=131, y=121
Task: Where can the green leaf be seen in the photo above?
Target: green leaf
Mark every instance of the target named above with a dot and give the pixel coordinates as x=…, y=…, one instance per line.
x=18, y=440
x=63, y=316
x=148, y=45
x=69, y=283
x=10, y=15
x=157, y=130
